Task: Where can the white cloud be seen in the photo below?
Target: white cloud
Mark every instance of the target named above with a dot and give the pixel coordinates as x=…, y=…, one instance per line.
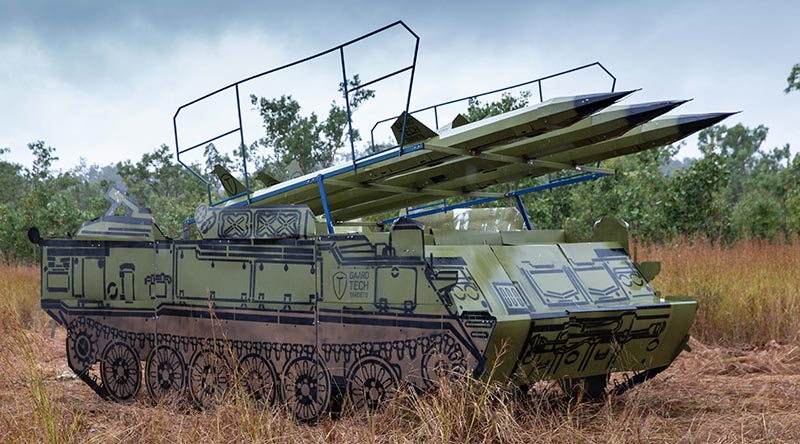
x=104, y=84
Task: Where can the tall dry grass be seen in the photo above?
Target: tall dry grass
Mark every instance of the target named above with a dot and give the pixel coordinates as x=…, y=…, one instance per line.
x=29, y=413
x=19, y=297
x=749, y=292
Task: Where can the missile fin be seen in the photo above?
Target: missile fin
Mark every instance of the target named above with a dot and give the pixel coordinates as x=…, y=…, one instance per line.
x=293, y=169
x=266, y=179
x=459, y=120
x=231, y=185
x=416, y=131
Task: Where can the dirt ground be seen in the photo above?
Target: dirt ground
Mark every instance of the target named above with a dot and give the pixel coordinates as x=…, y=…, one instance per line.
x=718, y=395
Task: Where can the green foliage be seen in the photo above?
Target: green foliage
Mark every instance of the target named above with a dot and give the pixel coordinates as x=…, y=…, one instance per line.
x=508, y=102
x=793, y=81
x=310, y=140
x=758, y=215
x=636, y=194
x=736, y=147
x=694, y=201
x=57, y=203
x=551, y=209
x=793, y=210
x=11, y=180
x=164, y=186
x=735, y=190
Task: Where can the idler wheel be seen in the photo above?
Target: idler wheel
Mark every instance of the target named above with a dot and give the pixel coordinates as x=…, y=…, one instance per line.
x=306, y=387
x=208, y=378
x=371, y=381
x=165, y=374
x=258, y=378
x=121, y=371
x=81, y=349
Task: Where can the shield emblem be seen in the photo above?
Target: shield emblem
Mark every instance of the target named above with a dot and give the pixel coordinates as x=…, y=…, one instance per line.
x=339, y=284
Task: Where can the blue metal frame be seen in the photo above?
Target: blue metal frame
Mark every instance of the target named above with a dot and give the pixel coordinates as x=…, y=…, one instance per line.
x=442, y=202
x=560, y=182
x=436, y=107
x=363, y=162
x=524, y=212
x=370, y=159
x=235, y=87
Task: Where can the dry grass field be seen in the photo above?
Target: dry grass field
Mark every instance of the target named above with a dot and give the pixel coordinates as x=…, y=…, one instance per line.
x=740, y=384
x=749, y=293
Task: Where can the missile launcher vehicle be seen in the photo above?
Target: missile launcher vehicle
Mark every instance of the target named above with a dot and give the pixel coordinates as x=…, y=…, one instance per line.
x=272, y=298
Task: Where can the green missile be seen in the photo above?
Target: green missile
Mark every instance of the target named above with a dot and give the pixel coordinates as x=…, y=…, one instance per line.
x=660, y=132
x=607, y=124
x=491, y=167
x=550, y=115
x=653, y=134
x=657, y=133
x=610, y=123
x=527, y=122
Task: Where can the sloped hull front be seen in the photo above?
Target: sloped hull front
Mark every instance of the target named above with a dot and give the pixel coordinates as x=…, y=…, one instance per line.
x=567, y=310
x=598, y=342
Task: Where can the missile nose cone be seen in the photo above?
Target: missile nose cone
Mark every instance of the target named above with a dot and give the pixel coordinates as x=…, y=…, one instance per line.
x=644, y=112
x=691, y=123
x=591, y=103
x=662, y=106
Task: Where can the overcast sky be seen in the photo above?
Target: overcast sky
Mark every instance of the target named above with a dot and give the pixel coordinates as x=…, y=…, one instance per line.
x=102, y=80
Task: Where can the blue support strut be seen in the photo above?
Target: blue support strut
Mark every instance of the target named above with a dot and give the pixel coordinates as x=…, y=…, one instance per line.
x=523, y=212
x=560, y=182
x=324, y=196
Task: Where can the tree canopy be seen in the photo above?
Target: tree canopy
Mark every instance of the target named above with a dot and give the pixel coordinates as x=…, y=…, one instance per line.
x=736, y=189
x=793, y=81
x=309, y=140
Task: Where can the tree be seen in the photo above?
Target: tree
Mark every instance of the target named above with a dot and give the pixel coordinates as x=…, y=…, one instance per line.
x=793, y=210
x=11, y=180
x=42, y=163
x=736, y=147
x=508, y=102
x=164, y=186
x=56, y=203
x=311, y=141
x=758, y=215
x=793, y=81
x=694, y=202
x=792, y=197
x=635, y=194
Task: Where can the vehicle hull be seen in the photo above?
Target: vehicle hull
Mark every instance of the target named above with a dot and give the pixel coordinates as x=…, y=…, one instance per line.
x=300, y=320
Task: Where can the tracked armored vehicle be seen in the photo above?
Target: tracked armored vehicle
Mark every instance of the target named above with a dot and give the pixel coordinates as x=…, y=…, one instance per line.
x=272, y=297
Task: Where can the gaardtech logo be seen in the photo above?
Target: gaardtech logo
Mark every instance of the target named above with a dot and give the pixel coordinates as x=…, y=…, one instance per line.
x=339, y=284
